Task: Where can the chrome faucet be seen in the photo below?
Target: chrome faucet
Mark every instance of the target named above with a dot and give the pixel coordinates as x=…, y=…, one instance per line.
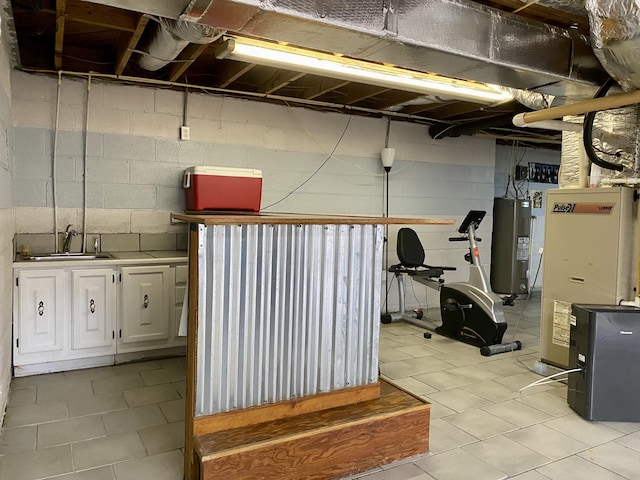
x=69, y=233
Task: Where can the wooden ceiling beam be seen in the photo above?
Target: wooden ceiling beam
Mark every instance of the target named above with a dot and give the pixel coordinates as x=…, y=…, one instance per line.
x=463, y=108
x=427, y=107
x=186, y=59
x=366, y=93
x=128, y=43
x=59, y=38
x=396, y=98
x=98, y=15
x=352, y=93
x=325, y=85
x=281, y=79
x=233, y=72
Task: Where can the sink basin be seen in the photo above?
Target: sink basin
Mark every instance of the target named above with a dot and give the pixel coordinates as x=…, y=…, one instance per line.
x=69, y=256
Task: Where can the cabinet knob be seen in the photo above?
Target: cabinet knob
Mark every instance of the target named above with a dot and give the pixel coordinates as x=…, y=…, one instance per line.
x=92, y=306
x=145, y=302
x=41, y=308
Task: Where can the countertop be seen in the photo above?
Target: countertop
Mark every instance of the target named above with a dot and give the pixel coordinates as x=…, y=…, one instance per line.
x=250, y=218
x=117, y=258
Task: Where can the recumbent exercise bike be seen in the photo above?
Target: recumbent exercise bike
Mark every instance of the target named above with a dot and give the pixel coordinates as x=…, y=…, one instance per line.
x=470, y=311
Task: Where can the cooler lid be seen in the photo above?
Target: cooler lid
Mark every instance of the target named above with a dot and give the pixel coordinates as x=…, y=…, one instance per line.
x=224, y=171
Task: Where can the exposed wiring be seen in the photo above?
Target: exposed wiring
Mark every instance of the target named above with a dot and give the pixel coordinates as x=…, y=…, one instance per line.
x=316, y=170
x=535, y=279
x=54, y=180
x=543, y=381
x=413, y=290
x=312, y=137
x=386, y=297
x=441, y=132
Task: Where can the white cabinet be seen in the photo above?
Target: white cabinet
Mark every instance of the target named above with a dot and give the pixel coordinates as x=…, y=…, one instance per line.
x=145, y=302
x=41, y=308
x=68, y=317
x=93, y=311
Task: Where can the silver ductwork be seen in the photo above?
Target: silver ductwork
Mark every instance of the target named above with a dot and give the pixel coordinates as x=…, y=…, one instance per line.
x=170, y=37
x=457, y=38
x=575, y=7
x=615, y=37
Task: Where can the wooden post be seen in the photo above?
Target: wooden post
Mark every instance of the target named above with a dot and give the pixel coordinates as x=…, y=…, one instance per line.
x=191, y=470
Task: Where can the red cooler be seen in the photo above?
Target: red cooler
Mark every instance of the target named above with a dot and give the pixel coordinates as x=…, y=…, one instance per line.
x=222, y=188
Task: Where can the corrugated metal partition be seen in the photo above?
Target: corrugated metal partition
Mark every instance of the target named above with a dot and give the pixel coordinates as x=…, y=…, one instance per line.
x=286, y=311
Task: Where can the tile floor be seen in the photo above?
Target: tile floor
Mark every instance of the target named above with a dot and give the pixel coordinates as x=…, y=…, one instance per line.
x=126, y=422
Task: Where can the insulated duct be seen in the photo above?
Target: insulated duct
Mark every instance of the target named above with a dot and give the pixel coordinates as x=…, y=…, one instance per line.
x=170, y=37
x=457, y=38
x=615, y=37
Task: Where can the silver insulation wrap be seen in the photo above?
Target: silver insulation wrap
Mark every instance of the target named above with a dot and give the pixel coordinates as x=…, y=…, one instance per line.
x=615, y=38
x=457, y=38
x=171, y=37
x=615, y=140
x=573, y=163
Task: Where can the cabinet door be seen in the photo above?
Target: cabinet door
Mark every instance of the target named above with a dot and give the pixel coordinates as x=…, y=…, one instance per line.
x=41, y=311
x=93, y=310
x=181, y=273
x=145, y=304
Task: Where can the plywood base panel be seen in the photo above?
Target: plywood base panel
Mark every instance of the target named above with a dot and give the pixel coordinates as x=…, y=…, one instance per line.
x=320, y=445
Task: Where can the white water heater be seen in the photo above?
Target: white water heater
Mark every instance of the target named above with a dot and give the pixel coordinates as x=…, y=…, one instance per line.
x=589, y=257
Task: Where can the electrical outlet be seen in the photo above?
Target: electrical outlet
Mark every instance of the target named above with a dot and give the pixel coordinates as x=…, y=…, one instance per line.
x=541, y=251
x=185, y=133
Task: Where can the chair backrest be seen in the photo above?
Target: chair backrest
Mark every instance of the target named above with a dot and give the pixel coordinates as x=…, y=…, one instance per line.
x=409, y=248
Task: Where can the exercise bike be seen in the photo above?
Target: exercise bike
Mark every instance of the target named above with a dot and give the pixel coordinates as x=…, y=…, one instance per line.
x=470, y=311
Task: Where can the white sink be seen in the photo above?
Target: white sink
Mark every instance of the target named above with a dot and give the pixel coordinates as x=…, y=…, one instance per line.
x=69, y=256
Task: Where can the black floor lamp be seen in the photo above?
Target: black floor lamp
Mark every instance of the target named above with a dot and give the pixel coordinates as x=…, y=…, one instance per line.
x=387, y=155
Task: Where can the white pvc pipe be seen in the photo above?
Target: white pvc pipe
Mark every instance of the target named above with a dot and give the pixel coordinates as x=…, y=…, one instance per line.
x=54, y=163
x=86, y=156
x=557, y=125
x=299, y=101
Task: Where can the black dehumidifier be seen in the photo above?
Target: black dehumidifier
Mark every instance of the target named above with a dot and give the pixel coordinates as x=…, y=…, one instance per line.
x=605, y=345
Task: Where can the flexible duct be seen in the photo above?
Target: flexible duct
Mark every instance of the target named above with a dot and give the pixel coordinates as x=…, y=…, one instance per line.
x=170, y=37
x=615, y=38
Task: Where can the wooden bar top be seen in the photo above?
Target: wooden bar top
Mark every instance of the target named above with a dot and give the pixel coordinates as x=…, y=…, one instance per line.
x=253, y=218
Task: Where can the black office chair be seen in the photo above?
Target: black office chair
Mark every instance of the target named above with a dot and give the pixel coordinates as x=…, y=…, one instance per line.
x=411, y=256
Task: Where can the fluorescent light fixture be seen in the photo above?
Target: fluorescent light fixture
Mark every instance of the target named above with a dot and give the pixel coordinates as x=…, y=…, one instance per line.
x=343, y=68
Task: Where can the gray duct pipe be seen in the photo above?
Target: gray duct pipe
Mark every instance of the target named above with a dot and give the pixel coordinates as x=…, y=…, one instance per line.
x=170, y=37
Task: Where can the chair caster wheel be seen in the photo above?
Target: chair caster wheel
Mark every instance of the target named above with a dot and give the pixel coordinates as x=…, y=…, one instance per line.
x=385, y=318
x=426, y=335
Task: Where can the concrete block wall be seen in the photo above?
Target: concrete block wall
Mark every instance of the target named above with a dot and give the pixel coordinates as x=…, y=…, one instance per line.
x=7, y=218
x=135, y=161
x=506, y=159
